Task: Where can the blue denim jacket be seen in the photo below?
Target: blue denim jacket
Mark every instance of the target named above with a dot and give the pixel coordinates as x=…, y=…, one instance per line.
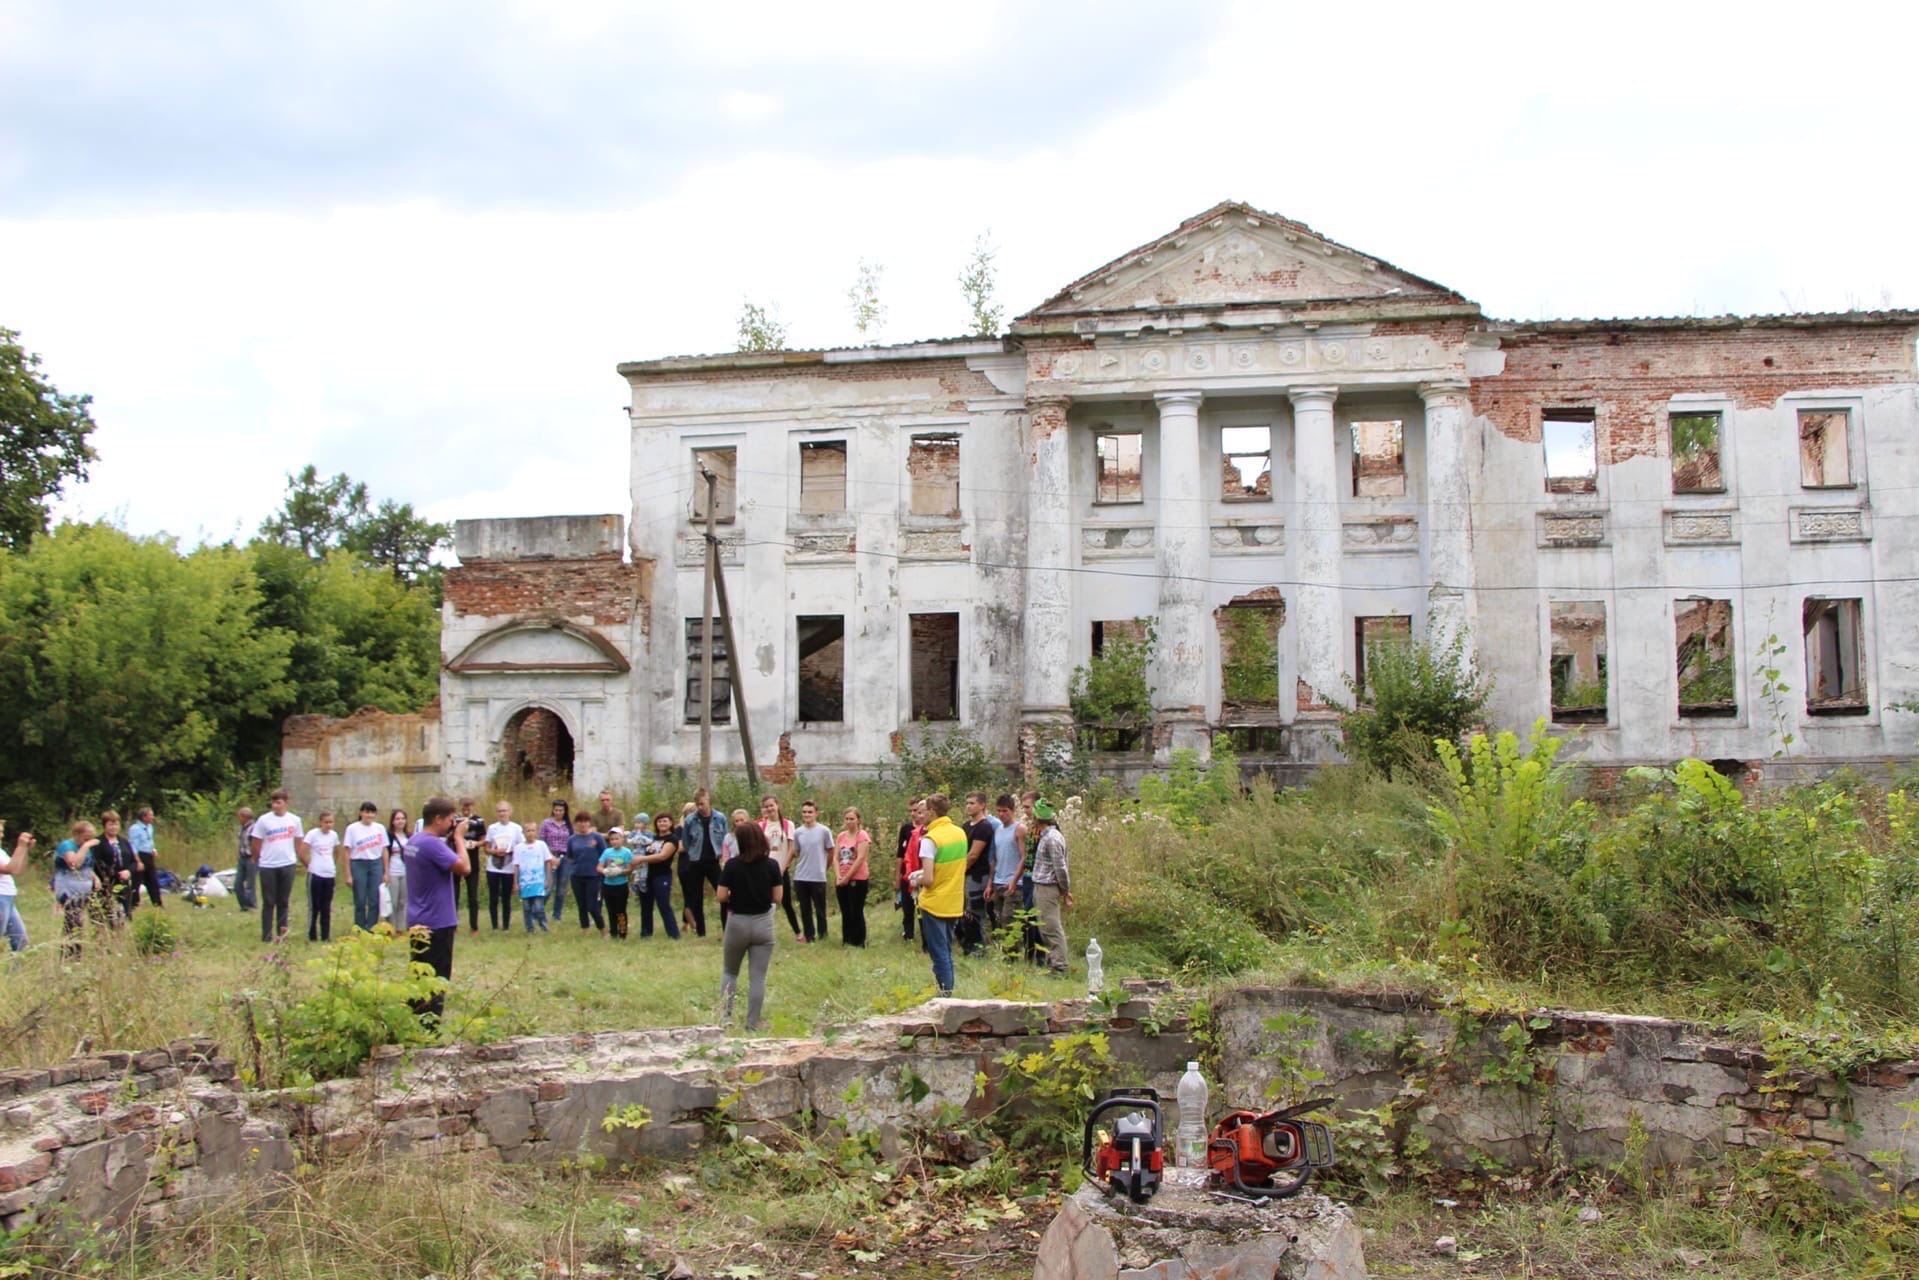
x=699, y=845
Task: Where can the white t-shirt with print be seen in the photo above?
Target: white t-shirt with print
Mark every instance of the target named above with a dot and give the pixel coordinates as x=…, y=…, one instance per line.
x=276, y=833
x=365, y=841
x=320, y=847
x=501, y=839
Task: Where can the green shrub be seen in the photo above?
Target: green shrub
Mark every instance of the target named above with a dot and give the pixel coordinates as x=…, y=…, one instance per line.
x=365, y=986
x=1415, y=694
x=950, y=761
x=153, y=933
x=1190, y=795
x=1114, y=691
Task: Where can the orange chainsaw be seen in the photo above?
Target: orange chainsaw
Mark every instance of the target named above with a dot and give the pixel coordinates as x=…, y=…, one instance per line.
x=1269, y=1155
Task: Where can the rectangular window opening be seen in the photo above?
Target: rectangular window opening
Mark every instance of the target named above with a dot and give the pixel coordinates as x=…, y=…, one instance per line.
x=1249, y=657
x=722, y=673
x=822, y=477
x=1823, y=460
x=1835, y=683
x=1579, y=661
x=1118, y=455
x=1133, y=629
x=1571, y=443
x=822, y=667
x=1371, y=635
x=935, y=662
x=1114, y=737
x=933, y=472
x=1695, y=453
x=1246, y=464
x=1379, y=460
x=722, y=463
x=1703, y=654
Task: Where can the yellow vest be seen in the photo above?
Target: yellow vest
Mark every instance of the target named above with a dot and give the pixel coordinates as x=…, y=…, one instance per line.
x=946, y=895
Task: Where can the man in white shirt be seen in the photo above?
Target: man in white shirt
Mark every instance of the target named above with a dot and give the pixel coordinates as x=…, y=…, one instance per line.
x=274, y=842
x=501, y=839
x=366, y=858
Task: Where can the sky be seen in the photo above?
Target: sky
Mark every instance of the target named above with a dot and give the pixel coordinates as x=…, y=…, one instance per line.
x=411, y=241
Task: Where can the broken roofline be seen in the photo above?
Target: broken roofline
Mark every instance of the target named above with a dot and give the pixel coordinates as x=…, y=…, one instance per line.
x=924, y=349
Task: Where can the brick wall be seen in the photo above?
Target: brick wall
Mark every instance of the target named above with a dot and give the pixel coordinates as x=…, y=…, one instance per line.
x=603, y=589
x=1629, y=373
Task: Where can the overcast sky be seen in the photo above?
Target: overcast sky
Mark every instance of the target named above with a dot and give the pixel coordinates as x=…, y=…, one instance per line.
x=410, y=241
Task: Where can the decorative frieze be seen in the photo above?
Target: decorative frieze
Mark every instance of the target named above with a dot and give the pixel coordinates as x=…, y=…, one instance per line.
x=1382, y=533
x=821, y=545
x=1249, y=537
x=1700, y=528
x=691, y=550
x=1831, y=524
x=1112, y=541
x=932, y=544
x=1572, y=528
x=1127, y=359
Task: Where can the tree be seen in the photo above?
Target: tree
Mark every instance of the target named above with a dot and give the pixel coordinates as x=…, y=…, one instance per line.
x=976, y=281
x=869, y=313
x=317, y=514
x=1112, y=696
x=397, y=540
x=43, y=442
x=128, y=668
x=761, y=329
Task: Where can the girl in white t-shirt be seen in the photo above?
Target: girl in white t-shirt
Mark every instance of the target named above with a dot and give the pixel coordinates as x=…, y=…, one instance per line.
x=322, y=876
x=365, y=842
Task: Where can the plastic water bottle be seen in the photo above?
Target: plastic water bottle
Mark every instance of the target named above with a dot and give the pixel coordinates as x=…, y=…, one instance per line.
x=1190, y=1144
x=1095, y=975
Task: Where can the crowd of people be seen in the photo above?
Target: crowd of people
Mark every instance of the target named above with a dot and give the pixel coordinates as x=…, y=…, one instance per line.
x=956, y=884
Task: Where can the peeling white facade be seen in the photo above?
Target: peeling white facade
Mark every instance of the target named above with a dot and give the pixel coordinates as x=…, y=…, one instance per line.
x=1237, y=323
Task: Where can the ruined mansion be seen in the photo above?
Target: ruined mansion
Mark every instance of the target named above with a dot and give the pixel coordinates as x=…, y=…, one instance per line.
x=1278, y=452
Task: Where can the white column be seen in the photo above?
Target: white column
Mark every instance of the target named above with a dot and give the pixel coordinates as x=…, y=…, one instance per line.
x=1317, y=621
x=1448, y=520
x=1179, y=695
x=1046, y=647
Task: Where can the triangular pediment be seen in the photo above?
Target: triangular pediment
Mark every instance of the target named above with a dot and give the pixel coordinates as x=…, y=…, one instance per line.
x=1236, y=255
x=539, y=644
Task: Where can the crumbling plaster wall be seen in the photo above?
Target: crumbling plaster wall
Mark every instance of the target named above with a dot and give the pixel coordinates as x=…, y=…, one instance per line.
x=329, y=763
x=535, y=572
x=875, y=564
x=1765, y=544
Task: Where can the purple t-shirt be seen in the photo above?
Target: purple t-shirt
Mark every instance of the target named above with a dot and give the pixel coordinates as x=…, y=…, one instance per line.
x=430, y=900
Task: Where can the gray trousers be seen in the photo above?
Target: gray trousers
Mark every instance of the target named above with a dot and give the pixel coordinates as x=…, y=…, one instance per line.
x=747, y=938
x=1052, y=934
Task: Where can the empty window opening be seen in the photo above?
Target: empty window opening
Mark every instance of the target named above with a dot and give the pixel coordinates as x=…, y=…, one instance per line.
x=1823, y=461
x=1379, y=460
x=1570, y=439
x=822, y=643
x=933, y=471
x=1371, y=636
x=935, y=666
x=1834, y=661
x=722, y=695
x=1249, y=654
x=1118, y=455
x=1246, y=468
x=822, y=477
x=722, y=463
x=1702, y=644
x=1579, y=661
x=1131, y=629
x=1695, y=453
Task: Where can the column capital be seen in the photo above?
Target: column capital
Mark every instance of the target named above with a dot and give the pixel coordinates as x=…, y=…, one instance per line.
x=1049, y=404
x=1312, y=397
x=1178, y=399
x=1445, y=393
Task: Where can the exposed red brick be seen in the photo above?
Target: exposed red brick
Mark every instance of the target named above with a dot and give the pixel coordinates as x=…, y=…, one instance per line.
x=785, y=770
x=602, y=590
x=1629, y=375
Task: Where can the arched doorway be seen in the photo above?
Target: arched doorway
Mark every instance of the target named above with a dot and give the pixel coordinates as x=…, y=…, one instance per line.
x=537, y=749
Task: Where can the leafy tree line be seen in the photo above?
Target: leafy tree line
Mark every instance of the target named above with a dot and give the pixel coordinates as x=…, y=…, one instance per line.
x=130, y=668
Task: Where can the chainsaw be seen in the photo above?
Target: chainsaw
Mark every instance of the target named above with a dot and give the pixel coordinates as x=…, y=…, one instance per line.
x=1269, y=1155
x=1131, y=1159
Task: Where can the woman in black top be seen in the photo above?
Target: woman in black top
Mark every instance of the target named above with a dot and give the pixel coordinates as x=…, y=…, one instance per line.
x=117, y=865
x=750, y=887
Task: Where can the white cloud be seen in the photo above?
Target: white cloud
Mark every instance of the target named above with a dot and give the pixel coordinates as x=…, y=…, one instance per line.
x=750, y=108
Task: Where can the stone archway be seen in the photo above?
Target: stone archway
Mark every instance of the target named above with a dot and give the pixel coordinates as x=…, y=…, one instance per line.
x=536, y=748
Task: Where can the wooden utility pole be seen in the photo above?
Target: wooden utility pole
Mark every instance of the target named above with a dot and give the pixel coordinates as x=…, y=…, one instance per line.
x=739, y=690
x=706, y=635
